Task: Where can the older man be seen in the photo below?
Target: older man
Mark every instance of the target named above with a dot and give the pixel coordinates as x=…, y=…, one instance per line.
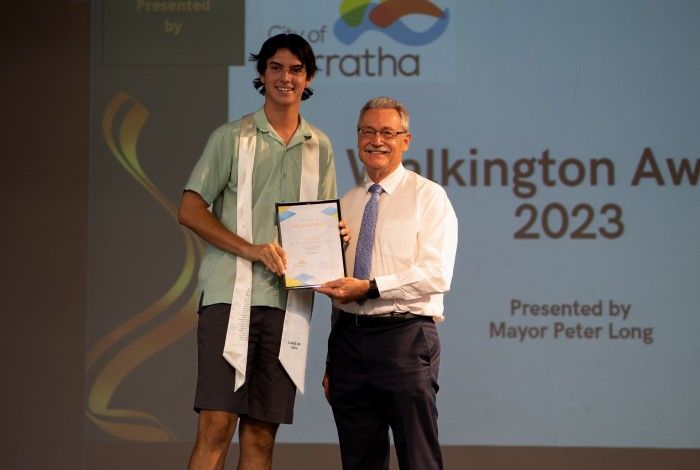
x=384, y=350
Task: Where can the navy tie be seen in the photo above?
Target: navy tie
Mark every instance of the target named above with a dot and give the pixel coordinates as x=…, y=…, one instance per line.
x=363, y=253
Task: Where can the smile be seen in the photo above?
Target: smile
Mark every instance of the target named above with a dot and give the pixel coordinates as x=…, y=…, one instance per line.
x=376, y=150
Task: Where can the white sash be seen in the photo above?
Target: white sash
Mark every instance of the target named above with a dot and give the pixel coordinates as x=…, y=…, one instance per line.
x=295, y=334
x=300, y=302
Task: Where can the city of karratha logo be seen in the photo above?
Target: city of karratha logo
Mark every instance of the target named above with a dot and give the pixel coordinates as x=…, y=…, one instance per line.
x=359, y=16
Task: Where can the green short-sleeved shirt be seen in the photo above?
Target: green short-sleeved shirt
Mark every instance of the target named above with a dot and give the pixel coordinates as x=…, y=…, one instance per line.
x=276, y=178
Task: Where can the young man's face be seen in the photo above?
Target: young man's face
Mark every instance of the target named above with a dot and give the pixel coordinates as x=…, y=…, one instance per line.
x=285, y=78
x=381, y=155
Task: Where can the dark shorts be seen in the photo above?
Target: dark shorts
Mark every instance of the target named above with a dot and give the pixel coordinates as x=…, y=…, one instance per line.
x=268, y=393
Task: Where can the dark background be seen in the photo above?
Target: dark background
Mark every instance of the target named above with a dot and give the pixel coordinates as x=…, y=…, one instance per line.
x=44, y=133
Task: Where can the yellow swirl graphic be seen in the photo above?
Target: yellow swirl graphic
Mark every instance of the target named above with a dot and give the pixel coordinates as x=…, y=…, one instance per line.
x=119, y=360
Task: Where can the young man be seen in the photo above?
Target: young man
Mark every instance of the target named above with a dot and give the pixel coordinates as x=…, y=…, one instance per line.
x=384, y=350
x=272, y=155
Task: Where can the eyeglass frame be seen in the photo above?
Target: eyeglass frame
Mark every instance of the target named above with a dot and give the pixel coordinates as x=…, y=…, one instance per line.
x=386, y=133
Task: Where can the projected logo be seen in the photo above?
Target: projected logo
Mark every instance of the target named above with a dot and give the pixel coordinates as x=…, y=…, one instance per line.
x=115, y=358
x=359, y=16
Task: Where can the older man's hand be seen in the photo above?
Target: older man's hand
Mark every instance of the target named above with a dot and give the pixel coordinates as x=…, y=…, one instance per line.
x=345, y=289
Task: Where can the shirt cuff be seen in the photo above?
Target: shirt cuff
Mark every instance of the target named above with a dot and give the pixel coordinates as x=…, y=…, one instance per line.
x=388, y=282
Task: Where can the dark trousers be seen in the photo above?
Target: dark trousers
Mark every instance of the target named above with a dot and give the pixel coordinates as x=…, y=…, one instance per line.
x=385, y=376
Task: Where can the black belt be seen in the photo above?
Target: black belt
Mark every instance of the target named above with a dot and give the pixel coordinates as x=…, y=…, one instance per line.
x=390, y=318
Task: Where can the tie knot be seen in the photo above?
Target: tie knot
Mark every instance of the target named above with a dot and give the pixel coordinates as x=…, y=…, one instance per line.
x=376, y=189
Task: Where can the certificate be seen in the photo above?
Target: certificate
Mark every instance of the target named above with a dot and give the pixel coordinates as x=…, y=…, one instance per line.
x=308, y=232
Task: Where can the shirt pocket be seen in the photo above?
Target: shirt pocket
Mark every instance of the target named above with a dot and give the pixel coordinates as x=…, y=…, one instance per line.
x=398, y=241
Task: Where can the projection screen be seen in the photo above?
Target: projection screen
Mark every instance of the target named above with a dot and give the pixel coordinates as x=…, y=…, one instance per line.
x=566, y=136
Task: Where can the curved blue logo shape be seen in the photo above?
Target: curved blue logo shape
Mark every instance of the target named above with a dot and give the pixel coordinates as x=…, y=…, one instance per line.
x=397, y=30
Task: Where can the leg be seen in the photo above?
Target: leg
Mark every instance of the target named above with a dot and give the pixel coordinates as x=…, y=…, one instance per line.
x=217, y=404
x=271, y=393
x=257, y=440
x=414, y=411
x=214, y=436
x=360, y=411
x=363, y=429
x=414, y=426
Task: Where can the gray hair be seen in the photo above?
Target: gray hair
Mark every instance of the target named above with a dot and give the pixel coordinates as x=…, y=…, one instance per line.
x=385, y=102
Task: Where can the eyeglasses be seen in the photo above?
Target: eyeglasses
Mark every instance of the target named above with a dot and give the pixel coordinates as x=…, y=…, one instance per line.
x=369, y=133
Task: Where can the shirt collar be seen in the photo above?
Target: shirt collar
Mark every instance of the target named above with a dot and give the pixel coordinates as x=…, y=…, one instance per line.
x=302, y=133
x=390, y=182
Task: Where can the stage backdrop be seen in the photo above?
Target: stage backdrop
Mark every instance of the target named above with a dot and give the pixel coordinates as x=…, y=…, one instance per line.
x=566, y=135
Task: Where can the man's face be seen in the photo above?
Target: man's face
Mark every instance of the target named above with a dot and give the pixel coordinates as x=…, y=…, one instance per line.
x=381, y=155
x=285, y=78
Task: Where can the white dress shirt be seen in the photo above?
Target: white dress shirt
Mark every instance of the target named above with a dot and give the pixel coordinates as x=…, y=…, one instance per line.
x=414, y=247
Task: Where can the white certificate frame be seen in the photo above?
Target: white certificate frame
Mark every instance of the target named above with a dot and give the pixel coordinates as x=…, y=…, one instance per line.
x=308, y=233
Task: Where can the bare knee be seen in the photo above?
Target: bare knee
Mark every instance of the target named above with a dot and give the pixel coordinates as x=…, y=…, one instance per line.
x=216, y=428
x=214, y=436
x=257, y=438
